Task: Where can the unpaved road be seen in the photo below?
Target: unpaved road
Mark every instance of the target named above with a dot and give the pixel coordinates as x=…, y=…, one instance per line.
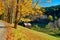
x=2, y=31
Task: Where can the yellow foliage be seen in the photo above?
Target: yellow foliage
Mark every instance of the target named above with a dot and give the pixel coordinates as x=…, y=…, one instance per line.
x=2, y=6
x=50, y=17
x=25, y=19
x=24, y=7
x=37, y=7
x=0, y=12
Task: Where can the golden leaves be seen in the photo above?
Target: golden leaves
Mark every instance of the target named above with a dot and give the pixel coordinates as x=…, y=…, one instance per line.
x=0, y=12
x=2, y=6
x=50, y=18
x=25, y=19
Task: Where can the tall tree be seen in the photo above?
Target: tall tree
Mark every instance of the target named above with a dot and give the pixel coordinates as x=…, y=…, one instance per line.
x=24, y=8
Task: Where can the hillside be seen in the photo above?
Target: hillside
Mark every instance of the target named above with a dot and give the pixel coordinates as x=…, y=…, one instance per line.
x=27, y=34
x=53, y=10
x=22, y=33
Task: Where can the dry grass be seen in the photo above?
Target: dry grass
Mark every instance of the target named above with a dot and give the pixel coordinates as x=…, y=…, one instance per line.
x=22, y=33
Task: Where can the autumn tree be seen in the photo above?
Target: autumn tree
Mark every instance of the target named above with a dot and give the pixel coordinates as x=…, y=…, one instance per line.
x=24, y=8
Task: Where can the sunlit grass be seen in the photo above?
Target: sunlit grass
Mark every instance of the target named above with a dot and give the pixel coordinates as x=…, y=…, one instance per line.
x=22, y=33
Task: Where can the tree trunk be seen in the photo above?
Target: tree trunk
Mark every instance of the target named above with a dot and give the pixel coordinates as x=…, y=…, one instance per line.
x=16, y=15
x=9, y=16
x=15, y=25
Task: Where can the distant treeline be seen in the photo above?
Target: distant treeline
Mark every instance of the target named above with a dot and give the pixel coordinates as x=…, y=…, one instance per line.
x=53, y=10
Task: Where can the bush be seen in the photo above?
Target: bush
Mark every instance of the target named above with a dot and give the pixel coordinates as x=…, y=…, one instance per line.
x=36, y=27
x=56, y=30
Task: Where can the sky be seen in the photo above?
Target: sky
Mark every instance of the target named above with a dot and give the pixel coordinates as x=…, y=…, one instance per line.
x=45, y=4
